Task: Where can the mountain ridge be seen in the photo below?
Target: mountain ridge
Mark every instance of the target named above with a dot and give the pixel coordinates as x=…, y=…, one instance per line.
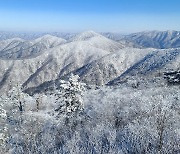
x=95, y=58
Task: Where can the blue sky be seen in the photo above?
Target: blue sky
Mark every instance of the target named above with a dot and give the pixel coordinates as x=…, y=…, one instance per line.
x=99, y=15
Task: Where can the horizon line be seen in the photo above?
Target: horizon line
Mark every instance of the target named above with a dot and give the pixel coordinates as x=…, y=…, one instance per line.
x=81, y=31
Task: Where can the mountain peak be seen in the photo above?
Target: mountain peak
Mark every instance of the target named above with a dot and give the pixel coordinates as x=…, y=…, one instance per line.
x=48, y=37
x=90, y=32
x=50, y=40
x=85, y=36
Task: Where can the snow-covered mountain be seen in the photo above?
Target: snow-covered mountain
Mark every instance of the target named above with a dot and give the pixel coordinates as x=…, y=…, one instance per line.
x=157, y=61
x=108, y=67
x=84, y=36
x=155, y=39
x=10, y=43
x=115, y=68
x=95, y=58
x=20, y=49
x=113, y=36
x=134, y=114
x=34, y=35
x=50, y=64
x=98, y=41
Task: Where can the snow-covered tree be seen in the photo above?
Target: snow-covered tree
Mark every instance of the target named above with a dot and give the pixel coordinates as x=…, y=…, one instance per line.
x=70, y=96
x=3, y=127
x=17, y=97
x=172, y=77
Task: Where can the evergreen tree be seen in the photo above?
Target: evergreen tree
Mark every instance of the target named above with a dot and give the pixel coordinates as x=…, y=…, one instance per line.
x=70, y=97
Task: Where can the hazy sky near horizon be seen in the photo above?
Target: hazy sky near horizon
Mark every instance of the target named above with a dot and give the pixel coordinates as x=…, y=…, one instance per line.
x=98, y=15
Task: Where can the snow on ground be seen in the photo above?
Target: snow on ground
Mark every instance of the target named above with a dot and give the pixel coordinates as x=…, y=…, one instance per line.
x=120, y=119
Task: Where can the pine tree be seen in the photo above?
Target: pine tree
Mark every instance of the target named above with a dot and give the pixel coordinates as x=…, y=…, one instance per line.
x=70, y=97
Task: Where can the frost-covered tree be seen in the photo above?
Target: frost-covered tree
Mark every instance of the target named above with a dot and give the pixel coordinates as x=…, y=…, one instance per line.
x=3, y=127
x=17, y=97
x=172, y=77
x=70, y=96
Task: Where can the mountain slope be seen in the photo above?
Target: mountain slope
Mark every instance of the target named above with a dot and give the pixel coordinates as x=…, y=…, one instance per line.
x=101, y=71
x=50, y=65
x=10, y=43
x=155, y=39
x=98, y=41
x=34, y=35
x=96, y=59
x=20, y=49
x=113, y=36
x=159, y=60
x=116, y=67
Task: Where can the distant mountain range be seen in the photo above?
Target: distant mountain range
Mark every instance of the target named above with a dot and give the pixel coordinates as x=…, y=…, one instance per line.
x=155, y=39
x=19, y=49
x=98, y=59
x=33, y=35
x=147, y=39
